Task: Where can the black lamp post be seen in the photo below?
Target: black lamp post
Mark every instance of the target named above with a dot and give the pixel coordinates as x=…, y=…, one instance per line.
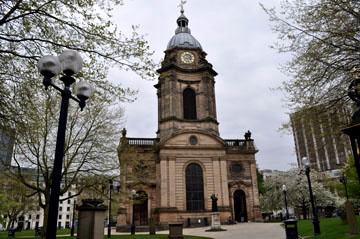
x=111, y=189
x=73, y=220
x=70, y=62
x=133, y=197
x=315, y=219
x=343, y=181
x=286, y=206
x=353, y=129
x=109, y=220
x=315, y=204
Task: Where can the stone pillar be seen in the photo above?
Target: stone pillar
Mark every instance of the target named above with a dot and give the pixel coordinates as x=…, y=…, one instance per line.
x=121, y=219
x=215, y=223
x=164, y=182
x=91, y=219
x=217, y=181
x=224, y=182
x=176, y=230
x=172, y=185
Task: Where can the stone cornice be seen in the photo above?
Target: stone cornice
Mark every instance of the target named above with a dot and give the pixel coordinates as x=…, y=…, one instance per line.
x=207, y=67
x=207, y=119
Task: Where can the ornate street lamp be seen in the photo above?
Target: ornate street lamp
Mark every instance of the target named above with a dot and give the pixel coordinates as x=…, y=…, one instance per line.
x=286, y=206
x=133, y=197
x=73, y=220
x=353, y=129
x=111, y=189
x=342, y=180
x=315, y=219
x=69, y=62
x=315, y=202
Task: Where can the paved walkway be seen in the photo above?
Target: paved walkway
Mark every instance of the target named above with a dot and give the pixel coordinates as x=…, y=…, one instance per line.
x=238, y=231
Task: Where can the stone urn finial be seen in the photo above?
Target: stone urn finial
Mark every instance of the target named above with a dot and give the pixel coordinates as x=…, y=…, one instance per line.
x=123, y=132
x=247, y=135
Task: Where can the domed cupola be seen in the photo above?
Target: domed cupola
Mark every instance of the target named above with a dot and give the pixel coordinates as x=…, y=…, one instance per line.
x=183, y=37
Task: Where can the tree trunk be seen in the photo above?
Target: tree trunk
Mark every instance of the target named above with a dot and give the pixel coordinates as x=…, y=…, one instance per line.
x=46, y=213
x=11, y=221
x=304, y=212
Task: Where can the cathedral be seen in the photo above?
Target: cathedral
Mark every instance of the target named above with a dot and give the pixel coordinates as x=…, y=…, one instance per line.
x=175, y=174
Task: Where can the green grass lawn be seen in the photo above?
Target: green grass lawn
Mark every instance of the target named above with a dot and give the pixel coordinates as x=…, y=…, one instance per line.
x=28, y=233
x=330, y=228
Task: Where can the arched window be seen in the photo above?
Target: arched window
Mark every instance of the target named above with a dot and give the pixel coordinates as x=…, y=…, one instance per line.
x=189, y=103
x=194, y=188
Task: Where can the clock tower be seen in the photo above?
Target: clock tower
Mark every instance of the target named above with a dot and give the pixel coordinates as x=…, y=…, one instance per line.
x=186, y=93
x=177, y=174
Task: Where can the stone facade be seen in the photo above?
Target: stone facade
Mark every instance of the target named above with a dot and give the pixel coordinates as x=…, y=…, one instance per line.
x=188, y=161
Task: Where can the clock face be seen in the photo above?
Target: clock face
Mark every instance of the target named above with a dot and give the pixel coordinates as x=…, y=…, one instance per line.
x=187, y=57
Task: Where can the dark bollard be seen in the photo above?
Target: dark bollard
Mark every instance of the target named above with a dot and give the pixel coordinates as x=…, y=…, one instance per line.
x=291, y=229
x=38, y=232
x=11, y=233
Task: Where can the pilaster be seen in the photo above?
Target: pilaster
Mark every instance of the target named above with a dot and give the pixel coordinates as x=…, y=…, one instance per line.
x=255, y=189
x=164, y=182
x=224, y=182
x=217, y=181
x=172, y=184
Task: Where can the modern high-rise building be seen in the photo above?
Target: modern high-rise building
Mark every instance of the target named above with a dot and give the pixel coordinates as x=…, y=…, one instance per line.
x=317, y=135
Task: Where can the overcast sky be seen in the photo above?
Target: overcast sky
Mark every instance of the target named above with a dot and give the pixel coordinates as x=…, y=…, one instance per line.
x=236, y=35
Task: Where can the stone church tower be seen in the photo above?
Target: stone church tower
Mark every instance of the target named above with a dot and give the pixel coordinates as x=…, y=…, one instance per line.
x=176, y=173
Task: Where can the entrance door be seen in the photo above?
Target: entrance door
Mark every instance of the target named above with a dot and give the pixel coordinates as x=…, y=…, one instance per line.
x=240, y=206
x=141, y=209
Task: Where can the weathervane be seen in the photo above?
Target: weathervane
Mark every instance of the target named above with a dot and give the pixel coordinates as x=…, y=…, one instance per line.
x=182, y=5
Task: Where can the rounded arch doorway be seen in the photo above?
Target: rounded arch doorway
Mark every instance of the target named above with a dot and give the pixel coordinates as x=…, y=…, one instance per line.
x=240, y=212
x=141, y=209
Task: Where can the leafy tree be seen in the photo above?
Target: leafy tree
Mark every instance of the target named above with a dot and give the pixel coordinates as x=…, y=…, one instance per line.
x=322, y=37
x=90, y=144
x=260, y=180
x=16, y=199
x=297, y=192
x=352, y=180
x=31, y=29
